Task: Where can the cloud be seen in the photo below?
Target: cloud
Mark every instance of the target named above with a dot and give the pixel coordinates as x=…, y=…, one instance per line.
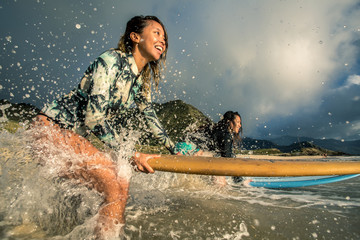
x=343, y=102
x=283, y=57
x=338, y=116
x=353, y=80
x=270, y=60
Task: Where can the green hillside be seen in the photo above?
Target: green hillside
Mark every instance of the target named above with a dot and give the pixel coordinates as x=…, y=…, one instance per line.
x=179, y=117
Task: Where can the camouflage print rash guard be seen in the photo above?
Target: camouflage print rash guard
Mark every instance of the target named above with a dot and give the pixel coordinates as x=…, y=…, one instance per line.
x=109, y=87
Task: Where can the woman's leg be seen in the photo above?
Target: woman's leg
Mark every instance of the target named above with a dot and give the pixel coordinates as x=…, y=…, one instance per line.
x=97, y=170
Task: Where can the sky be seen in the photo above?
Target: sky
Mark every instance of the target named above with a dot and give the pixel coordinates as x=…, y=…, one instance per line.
x=288, y=67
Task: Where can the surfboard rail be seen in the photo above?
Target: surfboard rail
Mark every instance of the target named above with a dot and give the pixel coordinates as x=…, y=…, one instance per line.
x=292, y=182
x=253, y=167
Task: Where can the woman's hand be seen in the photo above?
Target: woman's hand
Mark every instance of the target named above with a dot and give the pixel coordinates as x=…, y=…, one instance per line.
x=140, y=161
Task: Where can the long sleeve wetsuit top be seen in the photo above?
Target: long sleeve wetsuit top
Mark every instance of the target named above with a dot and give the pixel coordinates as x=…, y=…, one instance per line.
x=110, y=86
x=223, y=141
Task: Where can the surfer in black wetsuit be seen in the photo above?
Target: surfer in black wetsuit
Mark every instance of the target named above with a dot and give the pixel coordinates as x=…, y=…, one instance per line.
x=219, y=139
x=226, y=134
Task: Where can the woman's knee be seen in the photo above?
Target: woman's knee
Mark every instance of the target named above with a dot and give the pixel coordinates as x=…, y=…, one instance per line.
x=105, y=180
x=116, y=191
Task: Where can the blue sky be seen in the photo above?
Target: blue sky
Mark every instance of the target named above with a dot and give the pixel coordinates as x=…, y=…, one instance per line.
x=289, y=67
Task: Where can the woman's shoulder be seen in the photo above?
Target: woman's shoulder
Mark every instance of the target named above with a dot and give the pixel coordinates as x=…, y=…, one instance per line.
x=220, y=131
x=114, y=55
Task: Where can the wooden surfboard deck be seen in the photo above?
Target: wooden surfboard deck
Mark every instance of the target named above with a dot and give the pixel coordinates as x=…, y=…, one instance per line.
x=254, y=167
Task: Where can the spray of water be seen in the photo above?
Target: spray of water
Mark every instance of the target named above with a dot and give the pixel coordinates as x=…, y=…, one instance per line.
x=39, y=197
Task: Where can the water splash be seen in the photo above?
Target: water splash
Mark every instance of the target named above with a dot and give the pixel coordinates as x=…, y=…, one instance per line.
x=37, y=204
x=37, y=201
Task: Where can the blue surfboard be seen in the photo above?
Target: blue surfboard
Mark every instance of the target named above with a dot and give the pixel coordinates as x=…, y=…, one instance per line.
x=291, y=182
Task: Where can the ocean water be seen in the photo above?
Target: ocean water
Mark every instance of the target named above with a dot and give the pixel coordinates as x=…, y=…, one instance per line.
x=35, y=204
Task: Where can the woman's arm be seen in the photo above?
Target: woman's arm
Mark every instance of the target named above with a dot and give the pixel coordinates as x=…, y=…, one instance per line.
x=145, y=106
x=157, y=128
x=227, y=150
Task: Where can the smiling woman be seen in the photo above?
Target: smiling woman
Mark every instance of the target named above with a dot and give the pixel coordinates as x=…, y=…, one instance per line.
x=116, y=80
x=150, y=46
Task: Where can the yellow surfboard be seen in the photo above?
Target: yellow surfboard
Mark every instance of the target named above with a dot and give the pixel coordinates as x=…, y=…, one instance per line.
x=242, y=166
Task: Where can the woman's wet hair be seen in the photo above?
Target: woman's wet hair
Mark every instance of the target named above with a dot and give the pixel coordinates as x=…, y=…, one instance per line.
x=224, y=123
x=125, y=44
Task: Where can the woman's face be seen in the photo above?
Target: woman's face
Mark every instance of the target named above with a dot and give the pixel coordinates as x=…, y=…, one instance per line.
x=152, y=41
x=235, y=125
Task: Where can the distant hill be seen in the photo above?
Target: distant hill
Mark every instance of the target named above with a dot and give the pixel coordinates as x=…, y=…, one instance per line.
x=350, y=147
x=296, y=148
x=308, y=148
x=179, y=118
x=253, y=144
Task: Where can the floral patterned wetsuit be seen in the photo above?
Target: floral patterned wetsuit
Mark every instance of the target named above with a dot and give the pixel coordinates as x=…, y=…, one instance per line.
x=109, y=87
